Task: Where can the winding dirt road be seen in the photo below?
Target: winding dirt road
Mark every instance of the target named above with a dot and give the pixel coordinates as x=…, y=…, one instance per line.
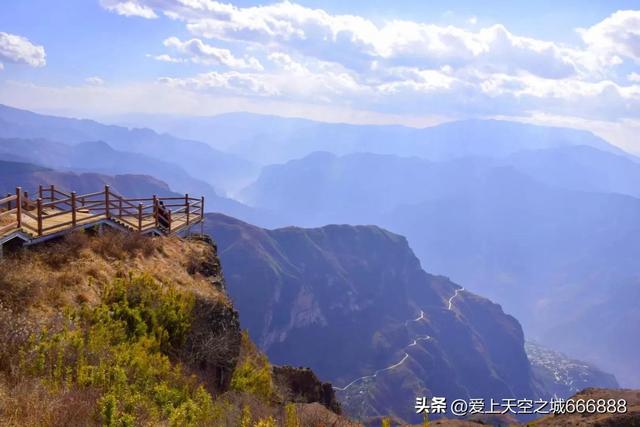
x=406, y=355
x=455, y=294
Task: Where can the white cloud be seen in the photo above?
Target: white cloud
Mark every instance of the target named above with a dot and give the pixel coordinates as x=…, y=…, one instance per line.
x=616, y=36
x=19, y=50
x=199, y=52
x=394, y=65
x=94, y=81
x=300, y=55
x=129, y=8
x=228, y=82
x=355, y=41
x=287, y=63
x=166, y=58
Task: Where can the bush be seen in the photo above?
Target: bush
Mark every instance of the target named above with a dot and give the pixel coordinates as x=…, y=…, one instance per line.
x=266, y=422
x=291, y=418
x=121, y=348
x=253, y=374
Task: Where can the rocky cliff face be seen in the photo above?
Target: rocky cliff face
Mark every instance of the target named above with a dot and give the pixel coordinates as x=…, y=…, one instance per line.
x=156, y=311
x=353, y=303
x=301, y=385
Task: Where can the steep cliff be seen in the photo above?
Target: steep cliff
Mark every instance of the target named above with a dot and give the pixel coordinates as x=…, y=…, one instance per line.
x=353, y=303
x=129, y=330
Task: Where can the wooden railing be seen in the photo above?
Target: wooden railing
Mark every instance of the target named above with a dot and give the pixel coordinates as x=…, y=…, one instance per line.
x=54, y=210
x=10, y=212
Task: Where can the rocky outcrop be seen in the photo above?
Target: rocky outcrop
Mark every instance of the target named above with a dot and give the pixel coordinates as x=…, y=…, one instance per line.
x=213, y=343
x=207, y=263
x=301, y=385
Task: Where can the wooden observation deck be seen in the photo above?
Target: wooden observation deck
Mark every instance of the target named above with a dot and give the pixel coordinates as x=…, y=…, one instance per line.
x=54, y=213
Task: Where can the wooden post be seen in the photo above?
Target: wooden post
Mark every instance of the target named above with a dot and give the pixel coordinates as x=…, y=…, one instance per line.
x=39, y=208
x=73, y=208
x=186, y=206
x=52, y=189
x=155, y=210
x=19, y=206
x=40, y=191
x=106, y=202
x=140, y=216
x=202, y=216
x=8, y=203
x=120, y=208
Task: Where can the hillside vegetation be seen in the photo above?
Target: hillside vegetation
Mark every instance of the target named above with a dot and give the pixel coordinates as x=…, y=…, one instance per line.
x=124, y=330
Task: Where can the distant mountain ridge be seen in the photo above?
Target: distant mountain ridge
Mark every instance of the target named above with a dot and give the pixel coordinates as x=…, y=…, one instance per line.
x=99, y=157
x=201, y=160
x=88, y=146
x=29, y=177
x=268, y=139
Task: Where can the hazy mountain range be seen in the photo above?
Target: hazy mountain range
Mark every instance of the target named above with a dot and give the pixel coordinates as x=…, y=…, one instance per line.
x=29, y=177
x=551, y=249
x=87, y=146
x=542, y=220
x=201, y=160
x=268, y=139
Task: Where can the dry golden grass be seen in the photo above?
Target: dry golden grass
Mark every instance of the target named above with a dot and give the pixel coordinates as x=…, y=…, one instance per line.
x=43, y=279
x=30, y=403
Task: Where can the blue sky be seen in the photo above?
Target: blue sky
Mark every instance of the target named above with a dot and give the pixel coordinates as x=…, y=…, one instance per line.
x=572, y=63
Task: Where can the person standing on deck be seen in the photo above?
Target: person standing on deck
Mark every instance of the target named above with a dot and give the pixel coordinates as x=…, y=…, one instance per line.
x=164, y=216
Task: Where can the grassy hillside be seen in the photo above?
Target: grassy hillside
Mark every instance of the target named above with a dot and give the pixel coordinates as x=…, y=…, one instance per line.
x=126, y=330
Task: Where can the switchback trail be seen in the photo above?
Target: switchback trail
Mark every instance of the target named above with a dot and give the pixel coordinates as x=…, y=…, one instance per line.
x=417, y=319
x=395, y=365
x=406, y=355
x=455, y=294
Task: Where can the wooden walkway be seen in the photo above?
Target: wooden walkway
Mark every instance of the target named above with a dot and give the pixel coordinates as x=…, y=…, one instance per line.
x=55, y=212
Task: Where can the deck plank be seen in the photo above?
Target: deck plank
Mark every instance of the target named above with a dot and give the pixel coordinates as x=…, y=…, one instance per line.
x=52, y=225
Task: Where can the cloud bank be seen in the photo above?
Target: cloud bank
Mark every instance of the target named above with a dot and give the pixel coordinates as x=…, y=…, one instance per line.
x=291, y=52
x=19, y=50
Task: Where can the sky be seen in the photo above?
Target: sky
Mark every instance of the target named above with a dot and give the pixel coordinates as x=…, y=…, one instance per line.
x=566, y=63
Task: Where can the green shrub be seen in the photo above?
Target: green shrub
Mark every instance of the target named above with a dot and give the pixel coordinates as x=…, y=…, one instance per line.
x=245, y=417
x=122, y=349
x=266, y=422
x=253, y=374
x=291, y=418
